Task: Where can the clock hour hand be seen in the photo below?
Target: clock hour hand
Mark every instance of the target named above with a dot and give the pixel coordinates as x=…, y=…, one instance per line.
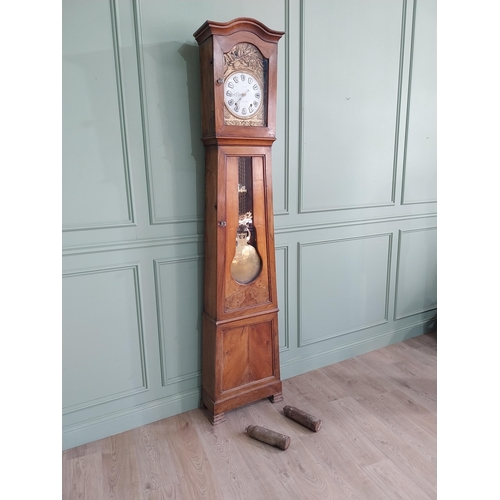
x=241, y=96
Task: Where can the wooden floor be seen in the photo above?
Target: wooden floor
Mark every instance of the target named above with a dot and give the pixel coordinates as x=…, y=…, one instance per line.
x=378, y=441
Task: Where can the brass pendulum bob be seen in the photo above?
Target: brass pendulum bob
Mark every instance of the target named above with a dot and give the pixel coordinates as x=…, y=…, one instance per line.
x=246, y=264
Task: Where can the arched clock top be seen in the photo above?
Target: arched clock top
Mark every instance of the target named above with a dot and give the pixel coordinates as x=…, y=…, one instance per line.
x=238, y=65
x=237, y=25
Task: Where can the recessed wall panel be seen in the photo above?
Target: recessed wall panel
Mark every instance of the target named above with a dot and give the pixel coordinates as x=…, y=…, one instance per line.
x=420, y=173
x=416, y=288
x=95, y=177
x=343, y=286
x=351, y=68
x=103, y=352
x=179, y=286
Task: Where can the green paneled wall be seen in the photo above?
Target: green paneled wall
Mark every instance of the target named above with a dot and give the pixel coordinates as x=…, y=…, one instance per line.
x=354, y=172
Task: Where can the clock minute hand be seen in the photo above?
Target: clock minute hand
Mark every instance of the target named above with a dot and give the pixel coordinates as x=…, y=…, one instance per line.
x=242, y=95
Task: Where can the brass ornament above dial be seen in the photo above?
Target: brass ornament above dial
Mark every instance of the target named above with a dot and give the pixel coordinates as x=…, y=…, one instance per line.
x=243, y=62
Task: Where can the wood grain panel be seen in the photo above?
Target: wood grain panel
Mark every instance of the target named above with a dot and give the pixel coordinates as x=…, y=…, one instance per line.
x=120, y=468
x=410, y=407
x=197, y=478
x=157, y=474
x=416, y=467
x=402, y=426
x=223, y=450
x=389, y=478
x=235, y=370
x=248, y=354
x=82, y=477
x=260, y=350
x=341, y=468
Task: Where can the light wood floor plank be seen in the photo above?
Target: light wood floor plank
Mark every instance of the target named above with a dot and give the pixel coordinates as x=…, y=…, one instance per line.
x=158, y=476
x=223, y=450
x=417, y=468
x=401, y=402
x=396, y=484
x=82, y=477
x=422, y=389
x=309, y=473
x=164, y=493
x=350, y=479
x=423, y=340
x=400, y=425
x=323, y=386
x=195, y=473
x=404, y=352
x=120, y=475
x=419, y=384
x=358, y=379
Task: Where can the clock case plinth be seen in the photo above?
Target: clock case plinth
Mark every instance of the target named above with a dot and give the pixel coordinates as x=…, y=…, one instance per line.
x=240, y=343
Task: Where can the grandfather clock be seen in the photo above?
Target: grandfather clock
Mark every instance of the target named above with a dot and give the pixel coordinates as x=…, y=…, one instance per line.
x=240, y=347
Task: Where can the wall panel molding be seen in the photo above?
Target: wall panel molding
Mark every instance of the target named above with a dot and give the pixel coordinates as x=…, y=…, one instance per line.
x=303, y=208
x=423, y=292
x=132, y=245
x=381, y=292
x=154, y=217
x=121, y=107
x=163, y=322
x=409, y=116
x=134, y=269
x=314, y=226
x=286, y=142
x=130, y=221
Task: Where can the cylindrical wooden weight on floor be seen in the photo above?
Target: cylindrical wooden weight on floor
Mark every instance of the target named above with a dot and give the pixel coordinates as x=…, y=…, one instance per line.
x=306, y=419
x=268, y=436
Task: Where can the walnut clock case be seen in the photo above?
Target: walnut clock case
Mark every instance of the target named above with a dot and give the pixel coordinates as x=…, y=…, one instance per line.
x=240, y=348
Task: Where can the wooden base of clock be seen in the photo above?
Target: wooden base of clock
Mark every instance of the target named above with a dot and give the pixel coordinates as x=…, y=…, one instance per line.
x=240, y=363
x=217, y=418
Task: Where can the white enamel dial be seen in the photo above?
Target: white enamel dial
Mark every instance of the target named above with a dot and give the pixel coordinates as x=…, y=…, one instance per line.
x=242, y=94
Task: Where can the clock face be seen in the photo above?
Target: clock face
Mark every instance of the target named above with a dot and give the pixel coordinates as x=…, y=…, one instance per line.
x=242, y=94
